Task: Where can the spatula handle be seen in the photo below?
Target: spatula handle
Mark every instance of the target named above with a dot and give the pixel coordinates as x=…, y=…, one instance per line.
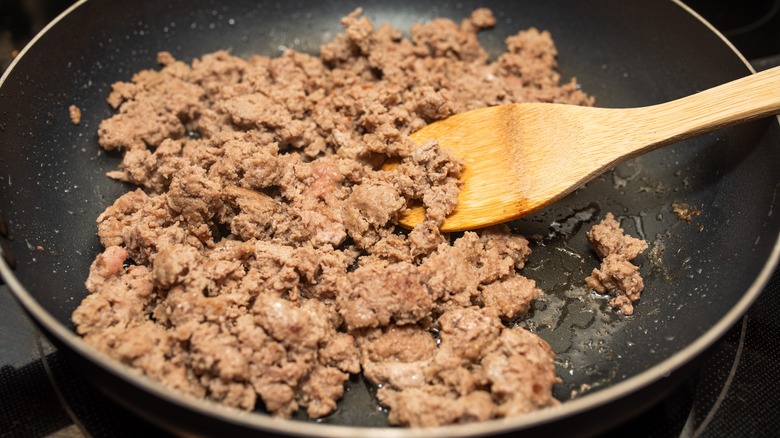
x=741, y=100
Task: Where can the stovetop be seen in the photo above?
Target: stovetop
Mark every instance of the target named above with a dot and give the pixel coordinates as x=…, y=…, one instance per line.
x=734, y=393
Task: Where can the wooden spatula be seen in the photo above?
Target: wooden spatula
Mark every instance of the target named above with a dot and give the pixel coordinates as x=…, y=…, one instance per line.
x=522, y=157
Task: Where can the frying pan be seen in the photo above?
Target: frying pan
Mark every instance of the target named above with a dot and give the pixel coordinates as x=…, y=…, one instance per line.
x=700, y=275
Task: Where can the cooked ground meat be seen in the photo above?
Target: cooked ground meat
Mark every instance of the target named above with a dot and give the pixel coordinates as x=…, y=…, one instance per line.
x=608, y=238
x=480, y=370
x=259, y=262
x=616, y=276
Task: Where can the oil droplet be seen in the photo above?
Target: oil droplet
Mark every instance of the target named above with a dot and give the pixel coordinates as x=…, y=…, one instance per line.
x=640, y=226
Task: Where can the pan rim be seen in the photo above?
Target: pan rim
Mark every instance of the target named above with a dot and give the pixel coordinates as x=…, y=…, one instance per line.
x=266, y=422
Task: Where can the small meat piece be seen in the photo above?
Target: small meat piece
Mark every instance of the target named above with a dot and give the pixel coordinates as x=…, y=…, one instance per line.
x=466, y=332
x=194, y=196
x=108, y=264
x=432, y=406
x=375, y=295
x=431, y=175
x=483, y=18
x=341, y=352
x=503, y=241
x=608, y=238
x=512, y=298
x=173, y=264
x=288, y=323
x=480, y=370
x=321, y=390
x=521, y=369
x=152, y=170
x=444, y=38
x=75, y=114
x=257, y=109
x=255, y=214
x=368, y=208
x=109, y=307
x=620, y=278
x=397, y=355
x=144, y=224
x=154, y=106
x=616, y=276
x=457, y=274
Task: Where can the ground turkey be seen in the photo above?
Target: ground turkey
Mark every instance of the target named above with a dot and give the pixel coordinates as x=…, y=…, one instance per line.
x=616, y=276
x=258, y=261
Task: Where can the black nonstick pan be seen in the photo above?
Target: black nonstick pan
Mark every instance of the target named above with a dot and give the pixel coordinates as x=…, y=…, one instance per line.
x=702, y=272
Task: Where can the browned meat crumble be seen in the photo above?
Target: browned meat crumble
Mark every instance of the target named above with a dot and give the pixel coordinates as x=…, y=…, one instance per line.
x=75, y=114
x=616, y=276
x=265, y=264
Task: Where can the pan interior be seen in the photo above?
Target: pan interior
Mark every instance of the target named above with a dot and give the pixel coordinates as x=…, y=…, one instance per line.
x=53, y=183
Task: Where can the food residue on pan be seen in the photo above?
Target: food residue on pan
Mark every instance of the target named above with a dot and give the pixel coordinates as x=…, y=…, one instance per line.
x=684, y=211
x=75, y=114
x=259, y=263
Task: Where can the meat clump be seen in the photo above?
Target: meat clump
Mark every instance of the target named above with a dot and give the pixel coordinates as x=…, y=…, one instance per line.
x=616, y=276
x=258, y=261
